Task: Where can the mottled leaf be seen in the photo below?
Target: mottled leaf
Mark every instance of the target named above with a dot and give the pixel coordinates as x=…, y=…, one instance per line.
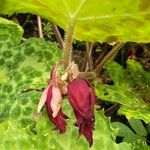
x=14, y=136
x=25, y=69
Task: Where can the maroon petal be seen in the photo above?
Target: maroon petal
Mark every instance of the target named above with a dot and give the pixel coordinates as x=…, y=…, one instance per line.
x=59, y=119
x=86, y=127
x=87, y=131
x=82, y=98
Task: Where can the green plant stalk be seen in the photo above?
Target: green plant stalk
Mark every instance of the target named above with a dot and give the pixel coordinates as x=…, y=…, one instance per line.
x=108, y=56
x=68, y=46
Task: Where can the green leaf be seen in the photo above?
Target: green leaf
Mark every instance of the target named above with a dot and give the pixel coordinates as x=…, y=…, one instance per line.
x=24, y=69
x=130, y=89
x=140, y=146
x=104, y=134
x=148, y=128
x=15, y=30
x=136, y=111
x=124, y=131
x=140, y=83
x=137, y=138
x=108, y=20
x=14, y=136
x=138, y=127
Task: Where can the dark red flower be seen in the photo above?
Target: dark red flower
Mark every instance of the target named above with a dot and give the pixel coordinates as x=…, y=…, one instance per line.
x=52, y=98
x=57, y=119
x=82, y=98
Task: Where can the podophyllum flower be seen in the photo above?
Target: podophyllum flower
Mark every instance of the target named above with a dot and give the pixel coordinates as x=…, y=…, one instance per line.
x=82, y=98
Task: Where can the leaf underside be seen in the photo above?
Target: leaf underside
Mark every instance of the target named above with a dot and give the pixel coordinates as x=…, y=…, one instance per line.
x=126, y=20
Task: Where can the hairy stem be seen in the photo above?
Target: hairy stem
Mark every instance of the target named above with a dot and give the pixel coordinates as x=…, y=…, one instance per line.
x=68, y=46
x=108, y=56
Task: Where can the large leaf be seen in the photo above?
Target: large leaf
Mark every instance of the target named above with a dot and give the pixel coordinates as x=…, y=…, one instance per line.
x=94, y=20
x=131, y=89
x=15, y=137
x=24, y=68
x=104, y=134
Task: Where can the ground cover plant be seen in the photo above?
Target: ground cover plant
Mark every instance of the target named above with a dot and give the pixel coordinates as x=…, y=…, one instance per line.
x=51, y=97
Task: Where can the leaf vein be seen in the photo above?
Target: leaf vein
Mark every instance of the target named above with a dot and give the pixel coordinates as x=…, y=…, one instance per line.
x=110, y=16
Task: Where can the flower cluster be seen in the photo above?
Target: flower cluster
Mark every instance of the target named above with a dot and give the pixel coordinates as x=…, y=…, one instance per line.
x=81, y=97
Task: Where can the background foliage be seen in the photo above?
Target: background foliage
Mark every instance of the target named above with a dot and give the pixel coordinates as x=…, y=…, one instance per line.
x=130, y=89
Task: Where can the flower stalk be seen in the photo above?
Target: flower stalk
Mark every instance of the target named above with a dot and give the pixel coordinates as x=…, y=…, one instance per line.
x=68, y=45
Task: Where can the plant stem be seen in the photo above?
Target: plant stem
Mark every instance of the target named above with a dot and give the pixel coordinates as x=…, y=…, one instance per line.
x=68, y=45
x=103, y=52
x=108, y=56
x=24, y=39
x=87, y=75
x=88, y=57
x=57, y=35
x=89, y=47
x=40, y=27
x=112, y=109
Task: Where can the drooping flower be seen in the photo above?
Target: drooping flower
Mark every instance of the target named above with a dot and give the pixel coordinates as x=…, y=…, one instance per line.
x=82, y=98
x=52, y=98
x=54, y=111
